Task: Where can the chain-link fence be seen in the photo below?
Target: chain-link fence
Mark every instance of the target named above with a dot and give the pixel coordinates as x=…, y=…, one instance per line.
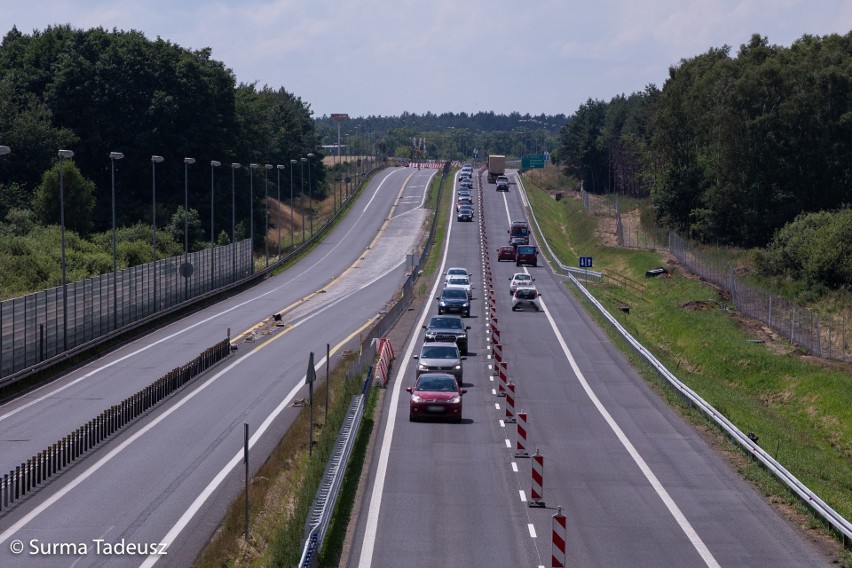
x=39, y=326
x=822, y=335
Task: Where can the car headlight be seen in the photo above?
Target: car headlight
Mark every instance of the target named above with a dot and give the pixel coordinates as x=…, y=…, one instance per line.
x=422, y=367
x=416, y=398
x=456, y=399
x=457, y=367
x=430, y=336
x=442, y=303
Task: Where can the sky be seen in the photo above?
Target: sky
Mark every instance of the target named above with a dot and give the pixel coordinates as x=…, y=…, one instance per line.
x=386, y=57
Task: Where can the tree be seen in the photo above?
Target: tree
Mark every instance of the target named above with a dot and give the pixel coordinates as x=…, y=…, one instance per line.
x=79, y=198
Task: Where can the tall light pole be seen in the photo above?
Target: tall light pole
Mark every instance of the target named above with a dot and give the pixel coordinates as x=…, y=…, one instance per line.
x=213, y=164
x=113, y=156
x=234, y=166
x=251, y=211
x=292, y=226
x=62, y=155
x=185, y=269
x=154, y=161
x=310, y=192
x=266, y=168
x=279, y=167
x=302, y=196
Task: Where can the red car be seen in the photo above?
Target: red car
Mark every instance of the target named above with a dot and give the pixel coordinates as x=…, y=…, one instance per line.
x=435, y=395
x=506, y=253
x=526, y=254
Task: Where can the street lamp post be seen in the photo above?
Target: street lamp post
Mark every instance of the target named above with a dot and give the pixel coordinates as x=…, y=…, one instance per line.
x=62, y=155
x=279, y=167
x=310, y=193
x=302, y=196
x=251, y=212
x=154, y=161
x=185, y=268
x=113, y=156
x=234, y=167
x=292, y=226
x=266, y=168
x=213, y=164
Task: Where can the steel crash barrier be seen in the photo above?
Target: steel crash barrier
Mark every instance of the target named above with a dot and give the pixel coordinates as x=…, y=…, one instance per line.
x=28, y=476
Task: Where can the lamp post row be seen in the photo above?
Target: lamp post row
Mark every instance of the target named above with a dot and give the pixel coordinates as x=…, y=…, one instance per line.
x=155, y=159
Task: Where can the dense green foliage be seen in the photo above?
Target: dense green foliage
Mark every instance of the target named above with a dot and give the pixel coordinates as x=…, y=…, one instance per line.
x=816, y=248
x=98, y=91
x=731, y=149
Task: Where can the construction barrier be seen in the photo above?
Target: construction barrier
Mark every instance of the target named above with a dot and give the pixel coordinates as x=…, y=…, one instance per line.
x=557, y=556
x=537, y=490
x=385, y=356
x=502, y=370
x=510, y=403
x=521, y=440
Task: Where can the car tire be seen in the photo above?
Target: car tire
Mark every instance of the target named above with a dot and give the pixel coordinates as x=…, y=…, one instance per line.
x=440, y=312
x=467, y=314
x=514, y=308
x=517, y=263
x=535, y=264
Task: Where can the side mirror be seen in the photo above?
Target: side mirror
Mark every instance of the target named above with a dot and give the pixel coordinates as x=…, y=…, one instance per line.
x=464, y=358
x=423, y=326
x=415, y=356
x=407, y=389
x=463, y=391
x=467, y=328
x=437, y=298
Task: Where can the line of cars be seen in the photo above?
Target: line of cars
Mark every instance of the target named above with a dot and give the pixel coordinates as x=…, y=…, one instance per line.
x=464, y=197
x=437, y=390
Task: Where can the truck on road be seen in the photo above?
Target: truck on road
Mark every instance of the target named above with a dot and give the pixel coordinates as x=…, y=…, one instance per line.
x=496, y=167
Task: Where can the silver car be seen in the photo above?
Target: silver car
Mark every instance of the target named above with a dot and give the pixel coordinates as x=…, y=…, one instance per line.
x=440, y=357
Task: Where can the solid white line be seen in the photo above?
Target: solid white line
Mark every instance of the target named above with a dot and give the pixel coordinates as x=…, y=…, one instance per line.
x=675, y=511
x=371, y=529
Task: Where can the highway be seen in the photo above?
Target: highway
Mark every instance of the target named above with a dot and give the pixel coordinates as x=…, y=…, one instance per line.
x=165, y=481
x=638, y=486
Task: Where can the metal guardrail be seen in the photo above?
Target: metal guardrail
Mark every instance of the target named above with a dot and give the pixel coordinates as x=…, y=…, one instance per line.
x=832, y=517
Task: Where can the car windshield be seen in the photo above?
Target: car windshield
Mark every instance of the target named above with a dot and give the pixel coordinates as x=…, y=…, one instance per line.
x=522, y=276
x=462, y=271
x=454, y=294
x=437, y=384
x=446, y=323
x=439, y=352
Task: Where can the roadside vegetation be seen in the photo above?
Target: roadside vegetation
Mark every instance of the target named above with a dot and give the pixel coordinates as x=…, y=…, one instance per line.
x=799, y=407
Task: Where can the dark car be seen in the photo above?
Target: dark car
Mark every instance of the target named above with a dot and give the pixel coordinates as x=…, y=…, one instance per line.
x=454, y=300
x=506, y=253
x=465, y=213
x=466, y=182
x=526, y=254
x=447, y=329
x=435, y=395
x=463, y=200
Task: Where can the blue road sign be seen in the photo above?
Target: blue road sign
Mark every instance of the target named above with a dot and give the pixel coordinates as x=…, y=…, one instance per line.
x=585, y=262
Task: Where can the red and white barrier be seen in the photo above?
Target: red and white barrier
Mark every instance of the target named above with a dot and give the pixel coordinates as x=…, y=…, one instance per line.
x=385, y=355
x=537, y=490
x=502, y=370
x=557, y=556
x=510, y=403
x=521, y=440
x=497, y=352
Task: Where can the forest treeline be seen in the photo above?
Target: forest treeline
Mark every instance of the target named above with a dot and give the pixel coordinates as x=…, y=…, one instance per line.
x=731, y=149
x=97, y=91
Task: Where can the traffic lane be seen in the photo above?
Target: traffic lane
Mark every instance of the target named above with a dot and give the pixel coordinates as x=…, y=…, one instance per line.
x=731, y=519
x=144, y=489
x=63, y=405
x=456, y=474
x=414, y=191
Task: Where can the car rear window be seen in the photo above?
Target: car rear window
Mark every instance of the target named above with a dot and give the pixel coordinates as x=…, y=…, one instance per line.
x=526, y=250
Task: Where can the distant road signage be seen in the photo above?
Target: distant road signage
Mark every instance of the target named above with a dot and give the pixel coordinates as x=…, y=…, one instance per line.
x=532, y=162
x=585, y=262
x=339, y=116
